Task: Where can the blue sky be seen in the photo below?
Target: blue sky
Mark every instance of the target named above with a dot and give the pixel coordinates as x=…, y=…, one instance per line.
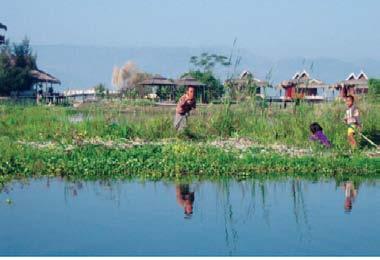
x=271, y=28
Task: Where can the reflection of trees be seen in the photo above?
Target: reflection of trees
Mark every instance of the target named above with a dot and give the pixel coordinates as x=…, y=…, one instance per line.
x=255, y=192
x=264, y=202
x=107, y=189
x=230, y=232
x=70, y=189
x=299, y=208
x=248, y=192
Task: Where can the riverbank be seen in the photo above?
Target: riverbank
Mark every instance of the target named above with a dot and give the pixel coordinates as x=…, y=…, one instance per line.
x=122, y=140
x=180, y=160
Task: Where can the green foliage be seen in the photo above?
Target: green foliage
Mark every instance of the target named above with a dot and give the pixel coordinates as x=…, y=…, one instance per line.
x=374, y=89
x=214, y=89
x=207, y=62
x=243, y=90
x=142, y=119
x=71, y=156
x=101, y=90
x=171, y=161
x=204, y=65
x=15, y=65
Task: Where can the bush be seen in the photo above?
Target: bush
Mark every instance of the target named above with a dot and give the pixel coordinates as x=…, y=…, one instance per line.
x=374, y=89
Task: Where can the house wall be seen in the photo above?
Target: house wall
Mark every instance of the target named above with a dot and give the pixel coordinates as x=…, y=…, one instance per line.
x=289, y=92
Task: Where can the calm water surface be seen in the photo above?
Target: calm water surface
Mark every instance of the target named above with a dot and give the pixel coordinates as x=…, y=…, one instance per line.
x=254, y=217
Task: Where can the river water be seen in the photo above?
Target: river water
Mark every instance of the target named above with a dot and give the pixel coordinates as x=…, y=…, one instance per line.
x=252, y=217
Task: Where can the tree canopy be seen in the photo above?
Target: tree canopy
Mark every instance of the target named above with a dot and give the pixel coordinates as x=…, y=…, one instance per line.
x=207, y=62
x=16, y=61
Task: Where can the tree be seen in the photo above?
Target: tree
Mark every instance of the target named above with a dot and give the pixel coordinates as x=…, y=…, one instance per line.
x=101, y=90
x=214, y=89
x=207, y=62
x=16, y=61
x=204, y=66
x=127, y=79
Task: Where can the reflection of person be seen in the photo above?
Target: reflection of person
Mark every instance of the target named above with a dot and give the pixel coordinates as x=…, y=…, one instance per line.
x=350, y=195
x=185, y=198
x=185, y=104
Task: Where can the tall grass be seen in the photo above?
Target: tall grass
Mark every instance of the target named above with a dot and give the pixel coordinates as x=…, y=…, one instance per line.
x=112, y=120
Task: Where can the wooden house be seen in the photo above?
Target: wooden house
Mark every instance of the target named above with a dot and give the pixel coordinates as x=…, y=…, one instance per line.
x=302, y=86
x=353, y=85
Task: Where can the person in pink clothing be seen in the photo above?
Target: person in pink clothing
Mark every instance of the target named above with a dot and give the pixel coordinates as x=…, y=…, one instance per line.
x=350, y=193
x=185, y=104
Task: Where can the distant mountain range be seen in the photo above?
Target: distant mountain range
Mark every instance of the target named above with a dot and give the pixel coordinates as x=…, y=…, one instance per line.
x=86, y=66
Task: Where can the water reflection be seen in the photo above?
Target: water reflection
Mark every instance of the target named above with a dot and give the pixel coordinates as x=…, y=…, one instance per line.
x=350, y=193
x=237, y=216
x=185, y=198
x=72, y=188
x=300, y=210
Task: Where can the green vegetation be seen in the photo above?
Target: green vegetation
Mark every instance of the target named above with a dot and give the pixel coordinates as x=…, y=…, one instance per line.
x=204, y=65
x=101, y=90
x=374, y=89
x=41, y=140
x=16, y=61
x=117, y=119
x=170, y=161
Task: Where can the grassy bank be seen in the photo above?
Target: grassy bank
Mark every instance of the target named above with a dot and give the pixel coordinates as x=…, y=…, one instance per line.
x=177, y=160
x=186, y=154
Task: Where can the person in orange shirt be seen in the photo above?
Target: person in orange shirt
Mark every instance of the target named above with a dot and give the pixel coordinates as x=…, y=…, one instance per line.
x=185, y=104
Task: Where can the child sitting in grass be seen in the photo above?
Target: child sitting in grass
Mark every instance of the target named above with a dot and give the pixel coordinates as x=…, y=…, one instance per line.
x=318, y=135
x=185, y=104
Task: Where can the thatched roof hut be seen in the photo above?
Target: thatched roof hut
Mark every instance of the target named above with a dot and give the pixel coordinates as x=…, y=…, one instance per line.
x=302, y=85
x=160, y=82
x=245, y=78
x=302, y=80
x=353, y=84
x=157, y=80
x=44, y=77
x=189, y=81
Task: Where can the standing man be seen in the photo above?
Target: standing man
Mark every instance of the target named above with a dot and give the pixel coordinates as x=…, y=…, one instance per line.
x=185, y=104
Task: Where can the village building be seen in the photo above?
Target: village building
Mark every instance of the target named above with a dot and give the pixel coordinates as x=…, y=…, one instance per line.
x=352, y=85
x=302, y=85
x=245, y=80
x=160, y=87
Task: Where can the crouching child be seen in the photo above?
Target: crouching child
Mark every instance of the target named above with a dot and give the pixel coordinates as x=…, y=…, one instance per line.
x=318, y=135
x=185, y=104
